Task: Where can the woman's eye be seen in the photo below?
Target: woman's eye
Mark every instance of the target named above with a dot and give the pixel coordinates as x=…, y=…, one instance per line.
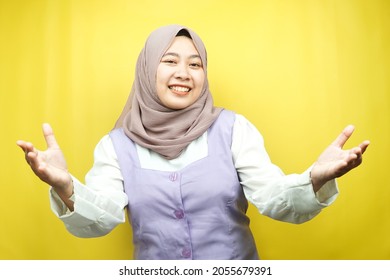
x=195, y=65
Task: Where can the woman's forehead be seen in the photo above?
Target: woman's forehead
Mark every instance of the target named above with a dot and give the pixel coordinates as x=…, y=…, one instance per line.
x=182, y=46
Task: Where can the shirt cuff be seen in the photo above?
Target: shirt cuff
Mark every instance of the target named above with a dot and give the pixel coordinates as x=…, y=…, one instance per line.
x=327, y=193
x=57, y=205
x=305, y=200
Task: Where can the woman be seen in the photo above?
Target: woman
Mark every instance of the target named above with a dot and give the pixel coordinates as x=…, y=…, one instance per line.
x=183, y=168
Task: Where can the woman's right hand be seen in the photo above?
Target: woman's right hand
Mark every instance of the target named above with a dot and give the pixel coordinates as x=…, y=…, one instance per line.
x=50, y=165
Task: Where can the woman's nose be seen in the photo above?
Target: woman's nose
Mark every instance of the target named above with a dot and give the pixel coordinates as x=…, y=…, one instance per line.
x=181, y=72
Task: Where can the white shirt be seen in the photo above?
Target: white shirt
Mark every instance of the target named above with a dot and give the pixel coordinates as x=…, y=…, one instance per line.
x=99, y=204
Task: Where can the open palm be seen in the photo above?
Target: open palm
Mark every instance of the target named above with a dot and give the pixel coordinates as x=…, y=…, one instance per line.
x=335, y=162
x=49, y=165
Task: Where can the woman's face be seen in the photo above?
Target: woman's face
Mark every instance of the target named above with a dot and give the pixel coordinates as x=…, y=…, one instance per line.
x=180, y=75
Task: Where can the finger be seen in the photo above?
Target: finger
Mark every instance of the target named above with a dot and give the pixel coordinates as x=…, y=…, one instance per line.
x=25, y=146
x=32, y=157
x=22, y=145
x=344, y=136
x=30, y=160
x=363, y=146
x=49, y=136
x=38, y=167
x=357, y=151
x=30, y=152
x=355, y=157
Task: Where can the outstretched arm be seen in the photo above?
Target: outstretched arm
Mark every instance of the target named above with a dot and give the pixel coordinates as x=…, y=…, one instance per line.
x=50, y=165
x=335, y=162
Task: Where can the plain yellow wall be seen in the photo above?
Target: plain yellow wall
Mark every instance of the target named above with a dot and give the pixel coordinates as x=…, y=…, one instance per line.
x=299, y=70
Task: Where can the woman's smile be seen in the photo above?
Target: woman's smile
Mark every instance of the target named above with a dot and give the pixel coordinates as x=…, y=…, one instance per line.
x=180, y=90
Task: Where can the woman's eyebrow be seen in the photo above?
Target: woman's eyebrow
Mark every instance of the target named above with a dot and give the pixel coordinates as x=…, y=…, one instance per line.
x=171, y=53
x=195, y=56
x=177, y=55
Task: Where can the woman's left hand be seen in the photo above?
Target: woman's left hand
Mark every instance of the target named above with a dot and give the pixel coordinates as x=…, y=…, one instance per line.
x=335, y=162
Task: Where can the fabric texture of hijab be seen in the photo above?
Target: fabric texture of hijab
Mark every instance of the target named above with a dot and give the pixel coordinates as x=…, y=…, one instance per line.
x=146, y=120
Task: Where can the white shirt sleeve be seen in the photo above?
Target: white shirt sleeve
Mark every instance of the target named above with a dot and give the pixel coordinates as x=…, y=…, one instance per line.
x=99, y=204
x=288, y=198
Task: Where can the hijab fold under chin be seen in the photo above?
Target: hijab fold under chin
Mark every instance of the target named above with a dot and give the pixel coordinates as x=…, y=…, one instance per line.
x=146, y=120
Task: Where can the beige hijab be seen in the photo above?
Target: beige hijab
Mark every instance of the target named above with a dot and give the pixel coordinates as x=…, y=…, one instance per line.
x=149, y=123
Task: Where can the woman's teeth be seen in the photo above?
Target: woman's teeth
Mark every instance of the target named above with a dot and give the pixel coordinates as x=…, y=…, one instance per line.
x=180, y=89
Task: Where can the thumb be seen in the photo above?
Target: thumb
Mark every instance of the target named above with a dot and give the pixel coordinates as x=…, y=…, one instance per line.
x=49, y=136
x=344, y=136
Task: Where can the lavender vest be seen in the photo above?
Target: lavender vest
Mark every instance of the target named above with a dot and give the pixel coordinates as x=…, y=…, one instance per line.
x=197, y=212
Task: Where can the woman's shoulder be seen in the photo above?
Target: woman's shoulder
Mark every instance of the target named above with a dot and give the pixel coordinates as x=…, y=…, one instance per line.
x=243, y=126
x=238, y=118
x=241, y=120
x=104, y=147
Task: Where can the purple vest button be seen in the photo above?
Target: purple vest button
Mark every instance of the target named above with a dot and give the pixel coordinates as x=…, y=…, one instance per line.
x=186, y=253
x=179, y=214
x=173, y=177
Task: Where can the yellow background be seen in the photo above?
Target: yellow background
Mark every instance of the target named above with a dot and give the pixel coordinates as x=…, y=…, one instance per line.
x=299, y=70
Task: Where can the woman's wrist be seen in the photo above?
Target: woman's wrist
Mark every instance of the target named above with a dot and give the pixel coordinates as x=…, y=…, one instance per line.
x=65, y=192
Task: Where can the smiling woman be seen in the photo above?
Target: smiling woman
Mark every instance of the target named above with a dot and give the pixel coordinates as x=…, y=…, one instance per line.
x=184, y=169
